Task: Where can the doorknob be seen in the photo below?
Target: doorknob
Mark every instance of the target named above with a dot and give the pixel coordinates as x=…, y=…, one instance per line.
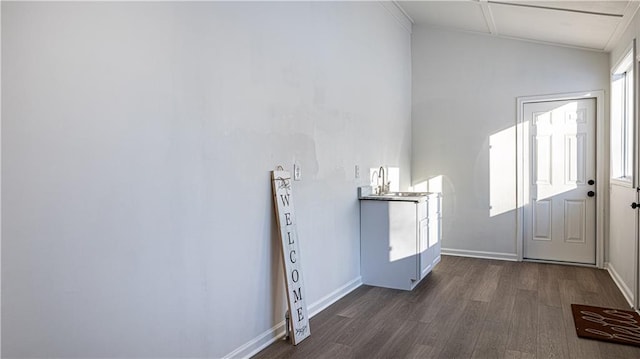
x=591, y=193
x=635, y=205
x=591, y=182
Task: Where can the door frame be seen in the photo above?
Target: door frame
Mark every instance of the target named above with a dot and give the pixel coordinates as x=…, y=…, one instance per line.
x=601, y=176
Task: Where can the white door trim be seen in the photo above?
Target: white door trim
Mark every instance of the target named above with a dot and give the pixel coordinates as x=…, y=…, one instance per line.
x=601, y=188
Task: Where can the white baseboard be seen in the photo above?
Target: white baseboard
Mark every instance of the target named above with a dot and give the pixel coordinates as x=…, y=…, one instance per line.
x=626, y=291
x=252, y=347
x=333, y=297
x=269, y=336
x=479, y=254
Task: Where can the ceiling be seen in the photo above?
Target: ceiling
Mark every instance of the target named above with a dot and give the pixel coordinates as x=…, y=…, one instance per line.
x=593, y=25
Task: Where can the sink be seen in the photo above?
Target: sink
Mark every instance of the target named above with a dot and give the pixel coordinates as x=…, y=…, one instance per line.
x=365, y=192
x=404, y=194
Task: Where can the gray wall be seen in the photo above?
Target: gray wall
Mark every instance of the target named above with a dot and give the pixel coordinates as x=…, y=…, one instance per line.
x=464, y=97
x=137, y=140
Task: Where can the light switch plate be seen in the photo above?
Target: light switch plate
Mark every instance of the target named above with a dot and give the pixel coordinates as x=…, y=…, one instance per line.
x=297, y=173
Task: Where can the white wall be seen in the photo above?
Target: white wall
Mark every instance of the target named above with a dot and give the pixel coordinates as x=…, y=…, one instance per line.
x=137, y=140
x=464, y=97
x=621, y=249
x=622, y=237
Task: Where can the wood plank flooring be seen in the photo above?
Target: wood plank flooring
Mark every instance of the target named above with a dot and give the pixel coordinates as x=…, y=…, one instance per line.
x=466, y=308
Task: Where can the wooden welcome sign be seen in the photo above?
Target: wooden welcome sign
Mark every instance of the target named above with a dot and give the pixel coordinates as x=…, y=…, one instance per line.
x=283, y=201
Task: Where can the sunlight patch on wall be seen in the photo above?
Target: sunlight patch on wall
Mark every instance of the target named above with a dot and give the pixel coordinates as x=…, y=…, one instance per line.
x=433, y=184
x=552, y=159
x=502, y=171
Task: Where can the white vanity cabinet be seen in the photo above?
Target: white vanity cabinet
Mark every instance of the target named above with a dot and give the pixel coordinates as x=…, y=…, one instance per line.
x=399, y=240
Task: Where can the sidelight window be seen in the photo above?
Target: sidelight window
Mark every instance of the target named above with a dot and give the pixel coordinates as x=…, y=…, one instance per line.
x=622, y=114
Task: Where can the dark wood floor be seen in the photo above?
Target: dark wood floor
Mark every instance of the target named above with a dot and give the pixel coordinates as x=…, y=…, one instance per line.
x=466, y=308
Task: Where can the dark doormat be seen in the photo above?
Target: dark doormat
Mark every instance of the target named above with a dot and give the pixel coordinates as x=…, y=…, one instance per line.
x=611, y=325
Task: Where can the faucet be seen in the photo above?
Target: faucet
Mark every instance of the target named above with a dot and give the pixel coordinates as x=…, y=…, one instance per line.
x=385, y=187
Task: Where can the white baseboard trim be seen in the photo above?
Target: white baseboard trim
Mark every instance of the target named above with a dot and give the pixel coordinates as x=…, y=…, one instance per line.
x=617, y=279
x=479, y=254
x=252, y=347
x=333, y=297
x=269, y=336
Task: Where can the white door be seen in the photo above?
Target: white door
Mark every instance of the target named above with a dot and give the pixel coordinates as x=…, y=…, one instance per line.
x=559, y=216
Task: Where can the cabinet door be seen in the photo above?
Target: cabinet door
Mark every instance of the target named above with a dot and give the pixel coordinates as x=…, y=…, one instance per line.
x=426, y=255
x=423, y=210
x=434, y=220
x=434, y=231
x=403, y=244
x=435, y=227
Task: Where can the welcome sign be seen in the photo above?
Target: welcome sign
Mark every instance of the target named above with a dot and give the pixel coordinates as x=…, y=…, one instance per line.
x=283, y=201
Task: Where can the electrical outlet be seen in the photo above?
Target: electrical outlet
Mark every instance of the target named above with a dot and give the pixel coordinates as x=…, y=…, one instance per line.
x=357, y=172
x=297, y=173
